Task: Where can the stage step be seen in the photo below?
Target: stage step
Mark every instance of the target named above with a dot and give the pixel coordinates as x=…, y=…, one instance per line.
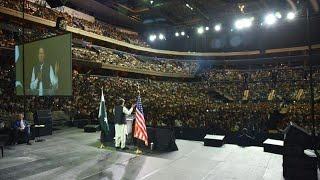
x=273, y=146
x=213, y=140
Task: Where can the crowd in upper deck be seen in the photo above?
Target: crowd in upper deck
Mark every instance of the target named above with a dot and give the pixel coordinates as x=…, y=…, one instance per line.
x=97, y=27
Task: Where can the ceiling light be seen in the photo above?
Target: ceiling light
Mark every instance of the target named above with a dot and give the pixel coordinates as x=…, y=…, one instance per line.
x=243, y=23
x=152, y=37
x=189, y=6
x=291, y=15
x=278, y=15
x=161, y=36
x=183, y=33
x=217, y=27
x=270, y=19
x=207, y=28
x=200, y=30
x=238, y=24
x=151, y=2
x=177, y=34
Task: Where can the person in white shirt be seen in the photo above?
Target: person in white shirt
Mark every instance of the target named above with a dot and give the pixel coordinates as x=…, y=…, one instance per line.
x=44, y=80
x=120, y=113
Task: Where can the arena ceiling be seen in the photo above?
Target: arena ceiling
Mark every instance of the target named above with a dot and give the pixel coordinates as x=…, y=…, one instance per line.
x=169, y=17
x=193, y=12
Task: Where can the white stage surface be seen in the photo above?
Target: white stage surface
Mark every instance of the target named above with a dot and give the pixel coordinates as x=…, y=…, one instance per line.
x=69, y=154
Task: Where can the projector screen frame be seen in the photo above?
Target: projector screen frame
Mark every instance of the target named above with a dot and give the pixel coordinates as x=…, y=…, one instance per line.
x=24, y=66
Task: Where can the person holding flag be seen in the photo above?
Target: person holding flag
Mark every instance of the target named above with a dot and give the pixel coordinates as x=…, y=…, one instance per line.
x=120, y=113
x=103, y=119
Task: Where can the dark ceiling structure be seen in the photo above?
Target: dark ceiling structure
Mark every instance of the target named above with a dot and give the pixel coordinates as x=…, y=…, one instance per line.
x=172, y=16
x=193, y=12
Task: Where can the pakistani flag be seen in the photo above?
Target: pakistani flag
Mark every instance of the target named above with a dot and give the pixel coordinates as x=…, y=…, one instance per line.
x=103, y=118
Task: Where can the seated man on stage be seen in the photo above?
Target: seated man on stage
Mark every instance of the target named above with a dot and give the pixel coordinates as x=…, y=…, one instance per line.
x=120, y=113
x=21, y=127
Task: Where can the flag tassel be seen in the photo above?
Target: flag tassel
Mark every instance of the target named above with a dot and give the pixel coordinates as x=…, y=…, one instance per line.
x=102, y=146
x=138, y=151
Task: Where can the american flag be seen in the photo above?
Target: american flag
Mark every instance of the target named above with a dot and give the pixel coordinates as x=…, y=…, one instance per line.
x=140, y=130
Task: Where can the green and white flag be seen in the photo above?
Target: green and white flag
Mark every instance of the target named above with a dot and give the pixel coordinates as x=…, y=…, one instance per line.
x=103, y=115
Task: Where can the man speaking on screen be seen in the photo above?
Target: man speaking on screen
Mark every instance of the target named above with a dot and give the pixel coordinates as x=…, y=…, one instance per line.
x=44, y=81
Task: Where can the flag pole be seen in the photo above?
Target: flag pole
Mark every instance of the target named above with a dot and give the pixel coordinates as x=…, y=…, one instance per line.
x=138, y=142
x=101, y=146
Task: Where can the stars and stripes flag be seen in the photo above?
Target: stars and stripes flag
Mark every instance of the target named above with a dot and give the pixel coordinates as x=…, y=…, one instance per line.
x=140, y=130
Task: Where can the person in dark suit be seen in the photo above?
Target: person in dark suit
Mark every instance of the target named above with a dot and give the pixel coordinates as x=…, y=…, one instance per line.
x=245, y=139
x=21, y=127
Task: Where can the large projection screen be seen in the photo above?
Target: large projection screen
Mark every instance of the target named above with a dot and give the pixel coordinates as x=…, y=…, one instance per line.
x=47, y=67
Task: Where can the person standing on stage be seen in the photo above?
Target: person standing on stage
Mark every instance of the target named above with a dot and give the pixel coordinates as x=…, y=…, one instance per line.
x=120, y=113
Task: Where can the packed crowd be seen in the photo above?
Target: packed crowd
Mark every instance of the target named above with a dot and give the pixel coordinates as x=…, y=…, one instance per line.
x=108, y=56
x=165, y=103
x=96, y=27
x=11, y=33
x=7, y=39
x=285, y=79
x=104, y=55
x=269, y=72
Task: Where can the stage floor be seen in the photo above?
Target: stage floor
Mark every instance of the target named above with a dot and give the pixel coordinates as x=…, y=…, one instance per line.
x=70, y=154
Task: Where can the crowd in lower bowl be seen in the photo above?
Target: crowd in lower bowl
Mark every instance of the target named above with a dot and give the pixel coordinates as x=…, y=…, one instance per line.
x=165, y=103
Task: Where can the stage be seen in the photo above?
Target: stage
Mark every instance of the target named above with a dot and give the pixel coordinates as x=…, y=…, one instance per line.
x=72, y=154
